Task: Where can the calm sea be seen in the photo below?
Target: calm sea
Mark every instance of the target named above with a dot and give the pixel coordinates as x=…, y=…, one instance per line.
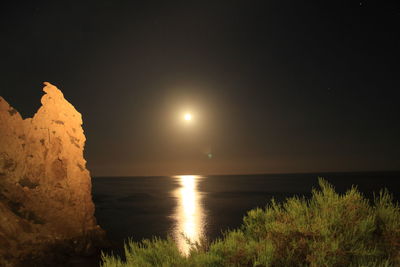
x=205, y=206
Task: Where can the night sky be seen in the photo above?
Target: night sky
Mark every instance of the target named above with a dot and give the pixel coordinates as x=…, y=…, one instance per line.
x=273, y=86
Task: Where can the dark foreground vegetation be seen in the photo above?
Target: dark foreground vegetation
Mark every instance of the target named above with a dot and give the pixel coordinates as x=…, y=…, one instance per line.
x=326, y=230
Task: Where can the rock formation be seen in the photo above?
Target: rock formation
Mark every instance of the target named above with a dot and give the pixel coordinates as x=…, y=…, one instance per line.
x=45, y=188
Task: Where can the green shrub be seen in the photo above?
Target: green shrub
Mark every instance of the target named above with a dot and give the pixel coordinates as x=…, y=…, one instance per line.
x=326, y=230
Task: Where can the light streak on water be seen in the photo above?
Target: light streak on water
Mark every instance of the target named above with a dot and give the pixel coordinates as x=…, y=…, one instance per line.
x=189, y=214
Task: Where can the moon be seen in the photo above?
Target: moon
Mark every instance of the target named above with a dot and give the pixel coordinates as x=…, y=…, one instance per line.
x=188, y=117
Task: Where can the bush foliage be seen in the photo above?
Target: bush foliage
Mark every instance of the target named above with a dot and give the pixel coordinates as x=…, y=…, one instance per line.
x=326, y=230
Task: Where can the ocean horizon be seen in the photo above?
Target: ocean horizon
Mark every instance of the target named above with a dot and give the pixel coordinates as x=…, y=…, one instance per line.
x=320, y=174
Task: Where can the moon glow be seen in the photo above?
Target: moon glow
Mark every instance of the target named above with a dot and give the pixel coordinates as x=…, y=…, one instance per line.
x=188, y=117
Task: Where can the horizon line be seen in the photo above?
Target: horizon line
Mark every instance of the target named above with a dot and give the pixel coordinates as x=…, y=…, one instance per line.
x=266, y=173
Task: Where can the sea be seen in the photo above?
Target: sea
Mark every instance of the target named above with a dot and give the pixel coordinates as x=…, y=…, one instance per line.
x=196, y=207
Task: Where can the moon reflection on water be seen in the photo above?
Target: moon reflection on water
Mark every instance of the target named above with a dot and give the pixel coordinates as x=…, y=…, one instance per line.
x=189, y=214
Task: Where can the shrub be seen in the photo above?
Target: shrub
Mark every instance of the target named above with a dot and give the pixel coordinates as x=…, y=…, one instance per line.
x=326, y=230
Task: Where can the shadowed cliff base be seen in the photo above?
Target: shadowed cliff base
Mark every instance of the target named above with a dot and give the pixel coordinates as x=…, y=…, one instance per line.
x=47, y=213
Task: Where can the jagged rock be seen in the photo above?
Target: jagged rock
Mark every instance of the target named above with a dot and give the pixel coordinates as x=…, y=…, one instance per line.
x=45, y=188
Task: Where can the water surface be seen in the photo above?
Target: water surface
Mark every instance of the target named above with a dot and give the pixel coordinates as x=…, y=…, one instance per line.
x=191, y=207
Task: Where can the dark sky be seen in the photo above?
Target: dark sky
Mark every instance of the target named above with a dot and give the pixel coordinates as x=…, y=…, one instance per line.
x=274, y=86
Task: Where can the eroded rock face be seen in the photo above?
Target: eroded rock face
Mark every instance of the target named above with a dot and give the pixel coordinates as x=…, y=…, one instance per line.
x=45, y=188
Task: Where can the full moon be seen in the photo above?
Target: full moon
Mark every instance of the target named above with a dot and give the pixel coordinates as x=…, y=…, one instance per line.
x=188, y=117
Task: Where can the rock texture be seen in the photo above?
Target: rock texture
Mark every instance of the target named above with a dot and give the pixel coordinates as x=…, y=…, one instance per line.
x=45, y=188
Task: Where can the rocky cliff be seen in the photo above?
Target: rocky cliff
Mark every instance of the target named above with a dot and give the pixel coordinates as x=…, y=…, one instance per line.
x=45, y=188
